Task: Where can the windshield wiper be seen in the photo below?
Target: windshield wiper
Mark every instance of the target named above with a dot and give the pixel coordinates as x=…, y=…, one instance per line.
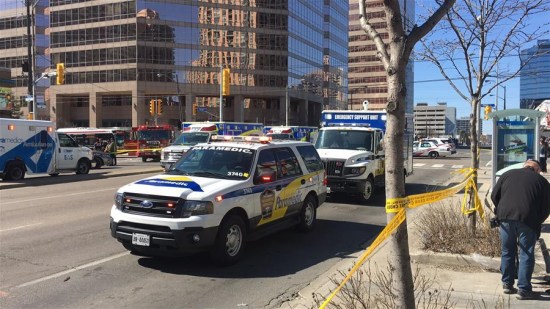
x=208, y=174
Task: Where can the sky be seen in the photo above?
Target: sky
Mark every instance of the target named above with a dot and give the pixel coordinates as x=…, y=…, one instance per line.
x=429, y=91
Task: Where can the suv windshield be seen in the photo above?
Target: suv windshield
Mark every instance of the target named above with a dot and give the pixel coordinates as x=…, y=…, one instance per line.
x=192, y=138
x=215, y=162
x=343, y=139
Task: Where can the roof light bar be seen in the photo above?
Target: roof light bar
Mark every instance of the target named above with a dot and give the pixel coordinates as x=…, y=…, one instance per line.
x=238, y=138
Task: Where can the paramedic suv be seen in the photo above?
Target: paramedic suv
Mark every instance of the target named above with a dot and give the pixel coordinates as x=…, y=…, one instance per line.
x=219, y=195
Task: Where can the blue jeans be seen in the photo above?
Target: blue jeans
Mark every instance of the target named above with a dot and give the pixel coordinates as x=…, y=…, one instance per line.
x=512, y=234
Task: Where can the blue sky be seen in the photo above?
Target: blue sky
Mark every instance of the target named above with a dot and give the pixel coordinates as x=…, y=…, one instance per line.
x=433, y=92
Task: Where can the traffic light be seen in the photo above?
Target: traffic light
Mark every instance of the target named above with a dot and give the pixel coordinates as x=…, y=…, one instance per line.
x=60, y=70
x=488, y=109
x=152, y=107
x=159, y=107
x=195, y=109
x=226, y=81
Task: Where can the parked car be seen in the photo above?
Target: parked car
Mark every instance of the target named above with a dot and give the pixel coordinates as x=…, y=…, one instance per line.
x=430, y=149
x=443, y=142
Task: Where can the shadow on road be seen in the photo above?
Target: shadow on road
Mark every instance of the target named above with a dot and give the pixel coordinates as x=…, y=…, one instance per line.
x=277, y=255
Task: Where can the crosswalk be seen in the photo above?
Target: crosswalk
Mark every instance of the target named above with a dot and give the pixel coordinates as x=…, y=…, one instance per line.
x=438, y=166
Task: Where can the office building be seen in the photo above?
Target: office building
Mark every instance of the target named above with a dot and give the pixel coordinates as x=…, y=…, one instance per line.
x=535, y=75
x=15, y=56
x=367, y=76
x=434, y=121
x=119, y=56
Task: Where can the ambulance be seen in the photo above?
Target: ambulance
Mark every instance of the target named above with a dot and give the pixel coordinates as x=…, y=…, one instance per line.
x=202, y=132
x=33, y=146
x=219, y=196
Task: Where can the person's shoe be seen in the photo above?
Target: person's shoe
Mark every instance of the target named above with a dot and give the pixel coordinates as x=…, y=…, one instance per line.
x=508, y=289
x=526, y=295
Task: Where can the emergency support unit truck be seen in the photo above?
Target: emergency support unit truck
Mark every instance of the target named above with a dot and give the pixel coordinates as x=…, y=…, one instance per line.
x=291, y=132
x=350, y=144
x=220, y=195
x=33, y=146
x=202, y=132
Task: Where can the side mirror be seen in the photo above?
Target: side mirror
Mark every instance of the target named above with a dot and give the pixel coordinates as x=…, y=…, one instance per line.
x=266, y=176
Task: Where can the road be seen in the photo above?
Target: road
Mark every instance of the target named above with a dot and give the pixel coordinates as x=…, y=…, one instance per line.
x=56, y=250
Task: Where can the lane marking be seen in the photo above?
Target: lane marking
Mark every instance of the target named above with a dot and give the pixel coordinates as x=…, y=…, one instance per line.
x=438, y=165
x=57, y=196
x=419, y=164
x=457, y=166
x=59, y=274
x=19, y=227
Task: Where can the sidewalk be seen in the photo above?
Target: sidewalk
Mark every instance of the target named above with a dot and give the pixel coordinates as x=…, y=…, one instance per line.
x=474, y=280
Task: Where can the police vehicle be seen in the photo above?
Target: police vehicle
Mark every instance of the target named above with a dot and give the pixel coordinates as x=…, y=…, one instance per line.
x=219, y=195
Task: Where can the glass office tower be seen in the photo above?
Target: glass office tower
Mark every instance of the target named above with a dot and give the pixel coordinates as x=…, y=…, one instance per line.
x=535, y=75
x=120, y=56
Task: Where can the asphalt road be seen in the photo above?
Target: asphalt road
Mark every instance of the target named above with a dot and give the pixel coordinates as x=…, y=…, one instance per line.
x=56, y=250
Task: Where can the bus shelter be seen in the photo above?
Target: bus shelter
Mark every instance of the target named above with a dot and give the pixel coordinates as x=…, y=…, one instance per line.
x=515, y=137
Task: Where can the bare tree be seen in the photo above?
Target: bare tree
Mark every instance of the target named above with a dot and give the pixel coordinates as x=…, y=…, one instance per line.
x=476, y=36
x=394, y=55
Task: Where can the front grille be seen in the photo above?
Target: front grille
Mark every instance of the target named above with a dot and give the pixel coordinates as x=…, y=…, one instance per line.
x=334, y=168
x=152, y=205
x=153, y=144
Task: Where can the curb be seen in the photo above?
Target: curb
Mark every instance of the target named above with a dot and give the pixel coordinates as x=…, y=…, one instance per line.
x=107, y=175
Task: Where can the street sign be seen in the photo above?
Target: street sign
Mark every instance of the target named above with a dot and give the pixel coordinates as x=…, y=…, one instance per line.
x=201, y=109
x=483, y=105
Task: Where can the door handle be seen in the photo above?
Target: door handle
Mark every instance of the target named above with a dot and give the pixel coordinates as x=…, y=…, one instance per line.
x=278, y=188
x=59, y=150
x=303, y=181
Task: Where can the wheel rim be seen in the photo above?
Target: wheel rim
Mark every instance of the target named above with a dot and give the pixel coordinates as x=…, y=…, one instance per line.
x=234, y=240
x=368, y=190
x=16, y=173
x=82, y=167
x=309, y=214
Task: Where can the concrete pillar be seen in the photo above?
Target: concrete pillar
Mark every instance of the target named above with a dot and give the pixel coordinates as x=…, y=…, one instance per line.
x=139, y=108
x=95, y=112
x=54, y=116
x=303, y=112
x=238, y=108
x=189, y=101
x=283, y=110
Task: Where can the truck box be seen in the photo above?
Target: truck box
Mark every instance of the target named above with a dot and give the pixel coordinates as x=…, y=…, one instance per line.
x=33, y=146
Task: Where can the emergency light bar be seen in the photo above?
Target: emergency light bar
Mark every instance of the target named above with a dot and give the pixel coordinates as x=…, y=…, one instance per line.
x=238, y=138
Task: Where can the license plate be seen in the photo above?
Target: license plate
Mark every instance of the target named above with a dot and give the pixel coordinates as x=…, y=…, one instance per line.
x=141, y=239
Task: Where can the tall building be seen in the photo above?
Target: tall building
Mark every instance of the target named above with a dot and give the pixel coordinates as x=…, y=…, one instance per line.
x=367, y=76
x=121, y=55
x=15, y=55
x=535, y=75
x=434, y=121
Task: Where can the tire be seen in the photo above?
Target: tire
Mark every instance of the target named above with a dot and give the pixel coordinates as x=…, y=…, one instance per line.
x=83, y=167
x=308, y=214
x=54, y=174
x=98, y=163
x=15, y=171
x=230, y=242
x=433, y=154
x=143, y=159
x=368, y=192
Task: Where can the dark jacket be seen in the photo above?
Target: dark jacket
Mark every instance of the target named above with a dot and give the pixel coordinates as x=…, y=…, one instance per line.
x=522, y=195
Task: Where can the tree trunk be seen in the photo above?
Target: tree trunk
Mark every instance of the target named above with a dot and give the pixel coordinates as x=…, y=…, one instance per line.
x=475, y=132
x=402, y=280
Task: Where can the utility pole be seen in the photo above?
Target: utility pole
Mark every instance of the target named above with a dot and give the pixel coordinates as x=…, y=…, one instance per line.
x=30, y=82
x=504, y=96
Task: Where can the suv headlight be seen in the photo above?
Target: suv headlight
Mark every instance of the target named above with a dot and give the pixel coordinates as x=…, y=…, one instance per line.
x=119, y=197
x=197, y=208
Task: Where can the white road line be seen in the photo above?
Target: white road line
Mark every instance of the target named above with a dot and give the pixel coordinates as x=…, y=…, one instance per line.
x=56, y=196
x=457, y=166
x=19, y=227
x=438, y=165
x=419, y=164
x=107, y=259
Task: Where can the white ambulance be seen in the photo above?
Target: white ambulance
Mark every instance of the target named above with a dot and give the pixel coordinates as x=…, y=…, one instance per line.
x=219, y=195
x=33, y=146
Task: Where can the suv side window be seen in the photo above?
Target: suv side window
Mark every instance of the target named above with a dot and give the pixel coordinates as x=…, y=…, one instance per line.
x=287, y=162
x=266, y=160
x=311, y=158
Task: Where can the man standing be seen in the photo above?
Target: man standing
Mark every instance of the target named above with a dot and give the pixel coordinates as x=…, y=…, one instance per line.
x=111, y=149
x=522, y=201
x=544, y=151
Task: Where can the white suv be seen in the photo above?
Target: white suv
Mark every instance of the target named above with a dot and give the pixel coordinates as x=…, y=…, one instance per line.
x=219, y=195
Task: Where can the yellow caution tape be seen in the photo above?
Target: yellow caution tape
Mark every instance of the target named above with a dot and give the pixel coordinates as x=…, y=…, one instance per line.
x=399, y=205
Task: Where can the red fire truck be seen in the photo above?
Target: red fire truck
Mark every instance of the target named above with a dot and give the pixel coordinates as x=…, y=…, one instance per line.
x=147, y=141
